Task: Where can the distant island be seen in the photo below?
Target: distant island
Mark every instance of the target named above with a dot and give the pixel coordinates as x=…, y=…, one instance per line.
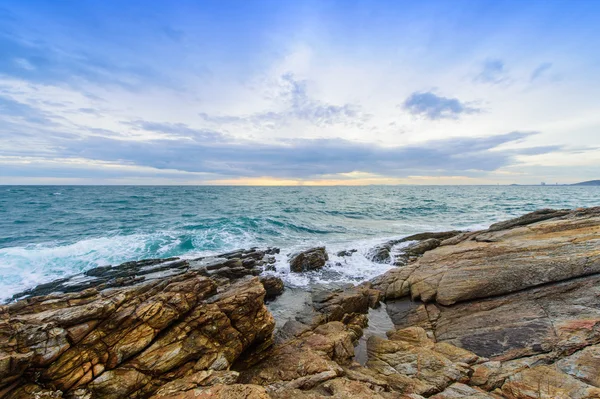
x=583, y=183
x=588, y=183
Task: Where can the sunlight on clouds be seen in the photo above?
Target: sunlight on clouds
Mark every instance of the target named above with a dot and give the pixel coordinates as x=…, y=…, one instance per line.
x=314, y=100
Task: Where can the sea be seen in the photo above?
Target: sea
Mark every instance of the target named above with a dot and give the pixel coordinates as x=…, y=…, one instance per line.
x=49, y=232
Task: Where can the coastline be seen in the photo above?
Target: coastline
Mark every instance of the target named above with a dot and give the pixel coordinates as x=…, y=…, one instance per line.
x=510, y=311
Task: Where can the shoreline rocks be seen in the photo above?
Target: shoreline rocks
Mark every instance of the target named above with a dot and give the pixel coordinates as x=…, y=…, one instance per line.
x=311, y=259
x=512, y=312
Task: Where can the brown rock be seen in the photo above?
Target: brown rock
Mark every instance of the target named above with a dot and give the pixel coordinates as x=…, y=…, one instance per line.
x=546, y=382
x=220, y=391
x=408, y=354
x=311, y=259
x=273, y=286
x=497, y=262
x=127, y=342
x=458, y=390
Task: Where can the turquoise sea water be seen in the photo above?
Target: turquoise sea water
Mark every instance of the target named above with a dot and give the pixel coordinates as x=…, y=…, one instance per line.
x=48, y=232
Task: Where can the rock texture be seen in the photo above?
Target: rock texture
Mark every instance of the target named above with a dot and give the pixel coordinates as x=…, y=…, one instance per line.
x=415, y=245
x=509, y=312
x=311, y=259
x=523, y=293
x=133, y=328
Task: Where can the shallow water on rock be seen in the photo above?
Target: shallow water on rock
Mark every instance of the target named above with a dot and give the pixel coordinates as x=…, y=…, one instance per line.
x=379, y=324
x=288, y=305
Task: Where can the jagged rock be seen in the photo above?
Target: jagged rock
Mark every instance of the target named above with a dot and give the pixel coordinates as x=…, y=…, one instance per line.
x=335, y=304
x=541, y=280
x=311, y=259
x=273, y=286
x=412, y=354
x=229, y=266
x=272, y=251
x=126, y=342
x=220, y=391
x=346, y=252
x=307, y=361
x=33, y=391
x=382, y=252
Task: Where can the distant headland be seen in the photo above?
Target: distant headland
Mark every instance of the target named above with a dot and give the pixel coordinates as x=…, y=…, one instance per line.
x=588, y=183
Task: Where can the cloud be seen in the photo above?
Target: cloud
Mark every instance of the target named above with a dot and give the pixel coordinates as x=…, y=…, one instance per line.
x=540, y=70
x=176, y=131
x=493, y=72
x=45, y=62
x=295, y=104
x=434, y=107
x=294, y=158
x=11, y=109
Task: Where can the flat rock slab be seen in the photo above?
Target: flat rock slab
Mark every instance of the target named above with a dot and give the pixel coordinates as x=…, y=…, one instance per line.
x=499, y=262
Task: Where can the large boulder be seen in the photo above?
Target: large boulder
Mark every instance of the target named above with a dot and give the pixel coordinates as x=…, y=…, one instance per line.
x=311, y=259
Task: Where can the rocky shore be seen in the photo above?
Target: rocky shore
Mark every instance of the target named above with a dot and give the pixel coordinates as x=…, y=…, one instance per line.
x=508, y=312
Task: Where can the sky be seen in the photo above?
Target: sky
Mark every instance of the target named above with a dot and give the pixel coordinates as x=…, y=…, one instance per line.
x=299, y=92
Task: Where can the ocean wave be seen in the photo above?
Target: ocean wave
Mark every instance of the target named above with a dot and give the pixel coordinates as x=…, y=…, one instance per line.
x=26, y=266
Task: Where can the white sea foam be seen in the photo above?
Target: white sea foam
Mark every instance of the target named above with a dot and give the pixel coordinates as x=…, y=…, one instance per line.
x=27, y=266
x=348, y=269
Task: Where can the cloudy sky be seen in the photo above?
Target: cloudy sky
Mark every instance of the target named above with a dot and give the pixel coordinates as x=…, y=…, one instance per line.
x=305, y=92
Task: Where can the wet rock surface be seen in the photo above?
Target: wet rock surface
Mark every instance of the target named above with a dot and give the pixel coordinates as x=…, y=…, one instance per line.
x=311, y=259
x=509, y=312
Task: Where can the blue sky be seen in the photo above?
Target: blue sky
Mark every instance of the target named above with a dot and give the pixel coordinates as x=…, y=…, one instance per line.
x=311, y=92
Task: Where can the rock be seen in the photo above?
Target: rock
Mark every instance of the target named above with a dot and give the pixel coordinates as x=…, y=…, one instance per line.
x=509, y=312
x=546, y=382
x=200, y=379
x=273, y=286
x=311, y=259
x=220, y=391
x=523, y=293
x=422, y=246
x=413, y=355
x=498, y=262
x=346, y=252
x=381, y=253
x=307, y=361
x=583, y=365
x=272, y=251
x=530, y=218
x=127, y=341
x=458, y=390
x=441, y=235
x=229, y=266
x=394, y=283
